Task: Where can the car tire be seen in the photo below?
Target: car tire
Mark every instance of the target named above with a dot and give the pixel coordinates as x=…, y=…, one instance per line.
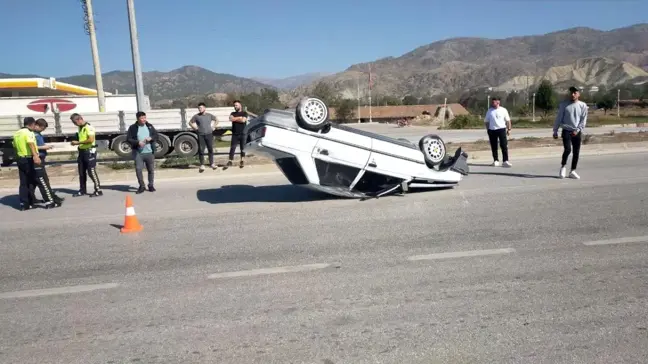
x=312, y=114
x=433, y=149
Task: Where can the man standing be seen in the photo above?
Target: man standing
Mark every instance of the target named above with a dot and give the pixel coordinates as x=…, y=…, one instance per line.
x=87, y=159
x=498, y=126
x=142, y=136
x=24, y=143
x=204, y=123
x=41, y=125
x=238, y=117
x=572, y=118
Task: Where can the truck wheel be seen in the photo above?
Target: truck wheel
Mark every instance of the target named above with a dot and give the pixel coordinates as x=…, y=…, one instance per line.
x=162, y=145
x=433, y=149
x=186, y=146
x=312, y=114
x=122, y=147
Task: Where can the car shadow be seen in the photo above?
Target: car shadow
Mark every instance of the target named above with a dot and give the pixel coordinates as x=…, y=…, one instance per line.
x=247, y=193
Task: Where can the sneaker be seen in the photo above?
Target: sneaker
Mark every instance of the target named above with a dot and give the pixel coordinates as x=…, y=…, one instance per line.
x=79, y=194
x=229, y=164
x=508, y=164
x=563, y=172
x=201, y=169
x=496, y=164
x=214, y=166
x=574, y=175
x=152, y=189
x=242, y=164
x=141, y=189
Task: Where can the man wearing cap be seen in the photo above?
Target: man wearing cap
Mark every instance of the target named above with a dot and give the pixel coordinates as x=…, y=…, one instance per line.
x=498, y=126
x=572, y=118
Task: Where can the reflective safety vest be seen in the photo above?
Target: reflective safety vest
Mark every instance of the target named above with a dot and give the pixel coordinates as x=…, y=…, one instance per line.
x=83, y=134
x=21, y=140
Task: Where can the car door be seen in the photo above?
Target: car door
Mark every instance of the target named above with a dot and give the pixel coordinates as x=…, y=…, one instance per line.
x=394, y=160
x=340, y=156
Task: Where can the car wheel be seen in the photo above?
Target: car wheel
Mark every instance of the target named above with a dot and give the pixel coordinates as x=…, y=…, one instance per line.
x=433, y=149
x=312, y=114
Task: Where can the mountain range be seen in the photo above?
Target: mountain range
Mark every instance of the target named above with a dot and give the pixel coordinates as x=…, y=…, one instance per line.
x=576, y=55
x=458, y=64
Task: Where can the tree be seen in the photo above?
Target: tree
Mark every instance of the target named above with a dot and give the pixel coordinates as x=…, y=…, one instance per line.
x=344, y=111
x=410, y=100
x=324, y=92
x=545, y=99
x=605, y=101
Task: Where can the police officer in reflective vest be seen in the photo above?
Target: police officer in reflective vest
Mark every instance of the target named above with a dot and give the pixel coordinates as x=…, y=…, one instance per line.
x=87, y=159
x=24, y=143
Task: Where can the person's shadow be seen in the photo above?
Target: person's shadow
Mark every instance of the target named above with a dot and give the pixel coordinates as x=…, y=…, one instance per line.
x=14, y=200
x=247, y=193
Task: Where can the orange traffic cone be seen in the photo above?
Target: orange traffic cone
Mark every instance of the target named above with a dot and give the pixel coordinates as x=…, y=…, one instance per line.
x=131, y=224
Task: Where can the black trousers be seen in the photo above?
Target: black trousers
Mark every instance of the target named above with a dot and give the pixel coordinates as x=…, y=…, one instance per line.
x=571, y=142
x=206, y=141
x=32, y=175
x=27, y=179
x=87, y=164
x=493, y=137
x=237, y=139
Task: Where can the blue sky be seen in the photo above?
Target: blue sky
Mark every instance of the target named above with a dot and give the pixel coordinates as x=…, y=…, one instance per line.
x=275, y=38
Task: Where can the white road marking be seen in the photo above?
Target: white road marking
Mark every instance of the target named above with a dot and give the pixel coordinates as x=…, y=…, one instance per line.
x=265, y=271
x=469, y=253
x=632, y=239
x=57, y=291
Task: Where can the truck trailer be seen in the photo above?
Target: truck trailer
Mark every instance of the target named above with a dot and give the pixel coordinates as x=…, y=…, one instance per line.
x=111, y=127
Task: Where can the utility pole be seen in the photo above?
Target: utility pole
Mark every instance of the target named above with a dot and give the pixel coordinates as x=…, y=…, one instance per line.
x=533, y=105
x=618, y=103
x=90, y=30
x=137, y=68
x=370, y=86
x=358, y=81
x=445, y=111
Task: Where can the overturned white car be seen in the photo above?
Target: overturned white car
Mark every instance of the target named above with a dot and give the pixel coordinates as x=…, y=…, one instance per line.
x=349, y=162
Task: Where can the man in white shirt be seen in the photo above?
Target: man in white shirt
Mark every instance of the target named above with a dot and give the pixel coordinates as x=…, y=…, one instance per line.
x=498, y=126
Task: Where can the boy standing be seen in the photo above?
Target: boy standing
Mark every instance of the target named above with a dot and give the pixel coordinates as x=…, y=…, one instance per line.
x=572, y=118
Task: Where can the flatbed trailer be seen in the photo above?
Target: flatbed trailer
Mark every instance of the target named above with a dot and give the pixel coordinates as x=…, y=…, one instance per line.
x=176, y=136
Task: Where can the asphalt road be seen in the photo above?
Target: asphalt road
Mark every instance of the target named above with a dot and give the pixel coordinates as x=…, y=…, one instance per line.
x=512, y=266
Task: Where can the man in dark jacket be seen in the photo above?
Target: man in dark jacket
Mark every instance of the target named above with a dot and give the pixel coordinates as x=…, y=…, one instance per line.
x=142, y=136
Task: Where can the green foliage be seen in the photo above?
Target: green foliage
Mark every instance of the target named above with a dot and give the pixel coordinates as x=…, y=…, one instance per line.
x=605, y=101
x=466, y=122
x=325, y=92
x=410, y=100
x=545, y=98
x=345, y=110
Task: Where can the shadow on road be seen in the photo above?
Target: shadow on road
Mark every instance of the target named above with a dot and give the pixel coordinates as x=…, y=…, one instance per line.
x=247, y=193
x=520, y=175
x=118, y=188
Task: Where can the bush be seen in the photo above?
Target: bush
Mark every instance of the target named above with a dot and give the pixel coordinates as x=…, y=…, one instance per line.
x=466, y=122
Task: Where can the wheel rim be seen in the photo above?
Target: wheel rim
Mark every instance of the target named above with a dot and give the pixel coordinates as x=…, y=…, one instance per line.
x=314, y=111
x=185, y=147
x=125, y=147
x=435, y=150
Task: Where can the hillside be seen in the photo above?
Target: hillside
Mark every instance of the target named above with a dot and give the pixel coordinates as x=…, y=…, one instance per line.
x=161, y=86
x=461, y=63
x=583, y=72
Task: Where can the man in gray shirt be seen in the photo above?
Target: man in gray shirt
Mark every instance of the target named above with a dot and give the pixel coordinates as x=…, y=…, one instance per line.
x=204, y=124
x=572, y=118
